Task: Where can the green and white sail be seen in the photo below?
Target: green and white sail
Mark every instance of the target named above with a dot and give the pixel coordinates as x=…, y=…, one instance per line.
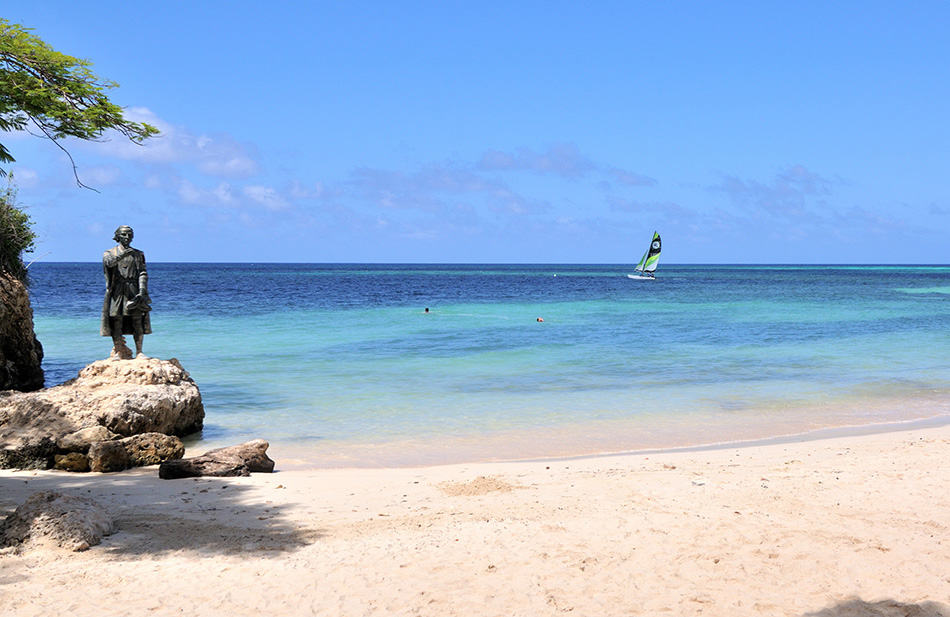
x=651, y=257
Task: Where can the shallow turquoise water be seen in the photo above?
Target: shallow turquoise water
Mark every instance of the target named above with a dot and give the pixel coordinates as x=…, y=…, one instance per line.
x=338, y=364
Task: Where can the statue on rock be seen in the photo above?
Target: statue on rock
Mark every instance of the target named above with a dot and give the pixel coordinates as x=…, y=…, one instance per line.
x=126, y=307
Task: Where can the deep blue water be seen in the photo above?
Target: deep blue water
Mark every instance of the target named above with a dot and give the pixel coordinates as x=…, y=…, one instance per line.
x=338, y=364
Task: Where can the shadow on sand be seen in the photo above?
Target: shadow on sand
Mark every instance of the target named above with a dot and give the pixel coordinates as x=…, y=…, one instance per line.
x=202, y=515
x=884, y=608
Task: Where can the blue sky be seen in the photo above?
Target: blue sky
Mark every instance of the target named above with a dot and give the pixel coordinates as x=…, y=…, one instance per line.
x=756, y=132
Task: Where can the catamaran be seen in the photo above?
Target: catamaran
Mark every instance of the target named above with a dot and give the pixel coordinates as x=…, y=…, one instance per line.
x=648, y=262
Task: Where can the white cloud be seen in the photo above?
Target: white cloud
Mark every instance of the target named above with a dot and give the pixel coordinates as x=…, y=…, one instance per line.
x=562, y=160
x=189, y=193
x=791, y=193
x=100, y=175
x=221, y=195
x=266, y=196
x=236, y=166
x=420, y=234
x=629, y=178
x=432, y=189
x=214, y=155
x=300, y=191
x=25, y=177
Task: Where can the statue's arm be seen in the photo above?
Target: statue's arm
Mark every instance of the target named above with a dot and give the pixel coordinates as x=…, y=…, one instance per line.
x=108, y=261
x=143, y=276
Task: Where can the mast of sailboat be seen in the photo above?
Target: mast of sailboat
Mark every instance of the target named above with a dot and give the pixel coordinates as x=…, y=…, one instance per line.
x=643, y=261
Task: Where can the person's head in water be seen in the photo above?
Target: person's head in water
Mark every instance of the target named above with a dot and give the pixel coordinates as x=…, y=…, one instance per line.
x=427, y=309
x=123, y=235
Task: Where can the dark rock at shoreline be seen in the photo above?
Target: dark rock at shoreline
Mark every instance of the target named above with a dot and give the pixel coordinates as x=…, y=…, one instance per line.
x=238, y=460
x=28, y=454
x=21, y=354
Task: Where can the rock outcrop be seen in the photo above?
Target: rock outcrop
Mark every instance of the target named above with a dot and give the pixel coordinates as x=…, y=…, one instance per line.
x=85, y=437
x=110, y=399
x=21, y=354
x=232, y=461
x=52, y=519
x=71, y=461
x=135, y=451
x=107, y=456
x=152, y=448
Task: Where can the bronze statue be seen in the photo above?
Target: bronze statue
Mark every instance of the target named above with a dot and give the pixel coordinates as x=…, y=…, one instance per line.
x=126, y=307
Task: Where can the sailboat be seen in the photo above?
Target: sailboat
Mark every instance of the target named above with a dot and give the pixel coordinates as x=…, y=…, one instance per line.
x=648, y=262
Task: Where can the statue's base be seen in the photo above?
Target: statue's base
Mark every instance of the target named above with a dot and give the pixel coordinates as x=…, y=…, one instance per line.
x=125, y=396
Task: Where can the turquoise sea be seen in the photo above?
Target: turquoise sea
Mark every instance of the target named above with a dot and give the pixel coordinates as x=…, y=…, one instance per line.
x=338, y=364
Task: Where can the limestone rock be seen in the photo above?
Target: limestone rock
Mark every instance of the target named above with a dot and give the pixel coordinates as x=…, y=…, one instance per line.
x=72, y=461
x=238, y=460
x=108, y=456
x=127, y=397
x=21, y=354
x=80, y=440
x=49, y=518
x=152, y=448
x=140, y=396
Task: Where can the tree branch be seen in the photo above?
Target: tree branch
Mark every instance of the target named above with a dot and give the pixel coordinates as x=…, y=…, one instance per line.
x=71, y=161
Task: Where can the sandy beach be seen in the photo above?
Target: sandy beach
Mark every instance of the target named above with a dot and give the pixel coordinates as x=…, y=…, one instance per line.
x=855, y=525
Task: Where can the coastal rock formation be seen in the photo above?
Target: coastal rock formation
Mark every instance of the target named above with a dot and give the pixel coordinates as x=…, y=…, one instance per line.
x=152, y=448
x=85, y=437
x=49, y=518
x=21, y=354
x=71, y=461
x=108, y=456
x=238, y=460
x=120, y=454
x=109, y=399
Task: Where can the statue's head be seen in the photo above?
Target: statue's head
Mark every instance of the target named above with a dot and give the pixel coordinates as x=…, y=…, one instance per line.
x=121, y=231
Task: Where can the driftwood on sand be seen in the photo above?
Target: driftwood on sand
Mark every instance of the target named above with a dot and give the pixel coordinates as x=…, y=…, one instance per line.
x=238, y=460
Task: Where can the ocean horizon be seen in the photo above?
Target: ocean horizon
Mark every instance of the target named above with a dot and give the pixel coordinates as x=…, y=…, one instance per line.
x=340, y=365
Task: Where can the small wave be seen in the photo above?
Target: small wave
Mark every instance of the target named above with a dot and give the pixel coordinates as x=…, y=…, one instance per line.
x=924, y=290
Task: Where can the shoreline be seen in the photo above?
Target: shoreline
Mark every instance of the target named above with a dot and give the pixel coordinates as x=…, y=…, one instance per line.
x=565, y=442
x=819, y=527
x=831, y=432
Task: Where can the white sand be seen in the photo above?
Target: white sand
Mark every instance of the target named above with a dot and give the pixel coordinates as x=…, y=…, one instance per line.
x=837, y=527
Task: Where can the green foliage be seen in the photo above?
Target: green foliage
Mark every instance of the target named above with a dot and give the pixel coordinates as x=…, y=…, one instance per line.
x=57, y=94
x=16, y=237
